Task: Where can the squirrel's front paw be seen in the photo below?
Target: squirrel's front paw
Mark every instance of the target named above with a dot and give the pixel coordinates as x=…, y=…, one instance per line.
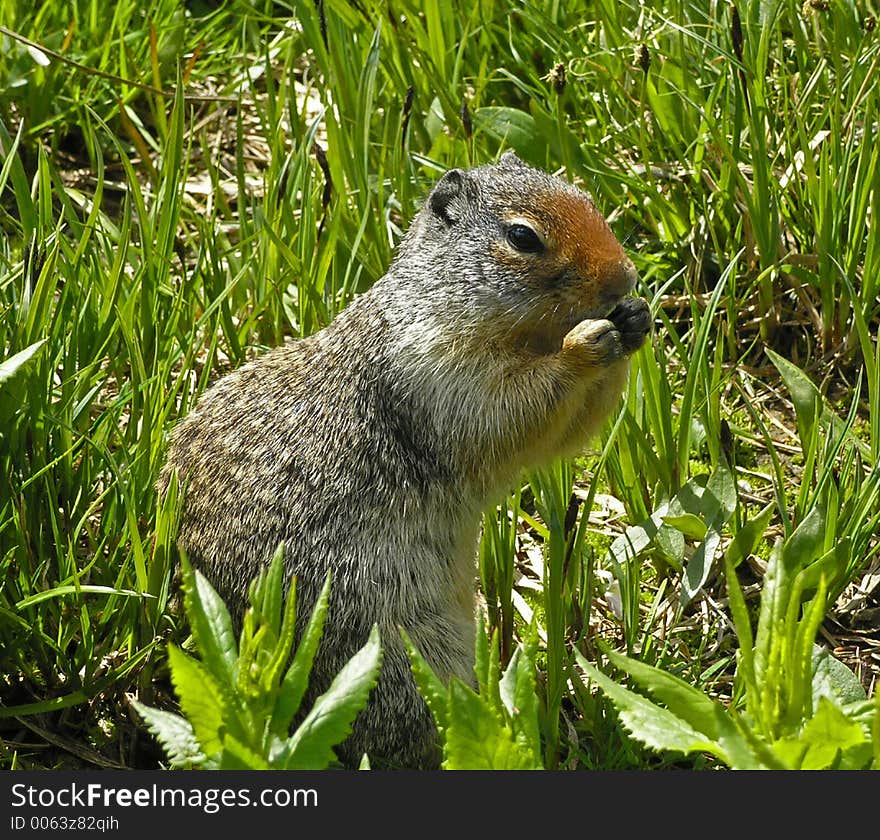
x=602, y=341
x=632, y=318
x=597, y=342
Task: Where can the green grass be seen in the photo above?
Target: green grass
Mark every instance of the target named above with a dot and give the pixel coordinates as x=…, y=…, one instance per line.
x=199, y=181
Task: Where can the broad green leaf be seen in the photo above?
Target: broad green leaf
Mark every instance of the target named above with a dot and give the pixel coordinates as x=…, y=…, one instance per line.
x=238, y=756
x=701, y=507
x=671, y=541
x=9, y=367
x=435, y=120
x=804, y=394
x=826, y=567
x=477, y=739
x=637, y=538
x=564, y=144
x=696, y=709
x=329, y=721
x=829, y=740
x=430, y=686
x=174, y=733
x=697, y=569
x=211, y=625
x=806, y=543
x=296, y=680
x=200, y=699
x=663, y=107
x=834, y=680
x=515, y=128
x=712, y=499
x=689, y=524
x=748, y=537
x=716, y=505
x=720, y=496
x=656, y=727
x=790, y=752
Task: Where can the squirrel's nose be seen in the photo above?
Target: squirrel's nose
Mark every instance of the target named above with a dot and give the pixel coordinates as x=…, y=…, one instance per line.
x=619, y=277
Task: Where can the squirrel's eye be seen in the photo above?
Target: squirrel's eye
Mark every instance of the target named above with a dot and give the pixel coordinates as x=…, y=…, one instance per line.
x=524, y=239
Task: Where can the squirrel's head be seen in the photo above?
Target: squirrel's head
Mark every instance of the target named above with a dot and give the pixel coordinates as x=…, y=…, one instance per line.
x=518, y=246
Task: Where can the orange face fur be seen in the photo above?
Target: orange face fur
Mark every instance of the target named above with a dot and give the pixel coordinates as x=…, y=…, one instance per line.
x=578, y=236
x=580, y=272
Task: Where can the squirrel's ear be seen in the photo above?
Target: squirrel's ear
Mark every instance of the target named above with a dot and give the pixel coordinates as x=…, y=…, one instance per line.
x=509, y=158
x=450, y=197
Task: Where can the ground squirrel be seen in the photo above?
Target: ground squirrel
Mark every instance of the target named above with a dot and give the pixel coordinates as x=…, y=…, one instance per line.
x=498, y=340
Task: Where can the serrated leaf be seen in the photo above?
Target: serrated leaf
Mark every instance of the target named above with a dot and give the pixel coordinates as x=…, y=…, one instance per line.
x=430, y=686
x=285, y=634
x=786, y=559
x=211, y=625
x=200, y=699
x=517, y=692
x=174, y=733
x=654, y=726
x=476, y=739
x=507, y=684
x=271, y=676
x=329, y=721
x=799, y=646
x=269, y=591
x=296, y=680
x=492, y=693
x=861, y=712
x=696, y=709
